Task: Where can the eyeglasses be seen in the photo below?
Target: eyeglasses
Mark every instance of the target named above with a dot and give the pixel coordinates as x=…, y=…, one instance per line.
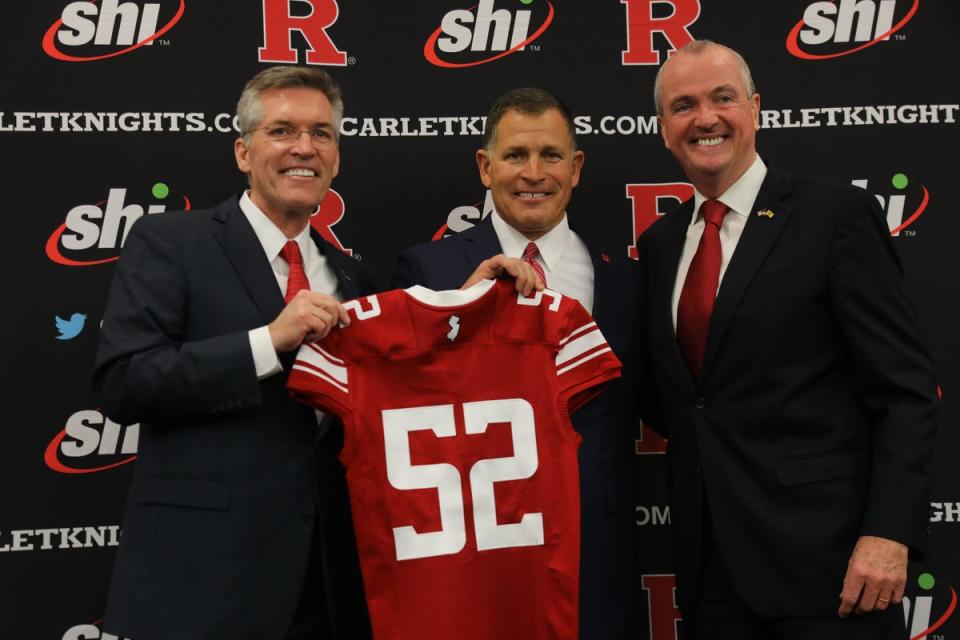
x=284, y=135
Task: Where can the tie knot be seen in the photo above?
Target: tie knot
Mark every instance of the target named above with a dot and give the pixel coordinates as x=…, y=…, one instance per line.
x=291, y=252
x=713, y=212
x=530, y=252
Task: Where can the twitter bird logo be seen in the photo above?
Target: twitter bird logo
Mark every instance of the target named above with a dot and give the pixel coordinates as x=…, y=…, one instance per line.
x=70, y=329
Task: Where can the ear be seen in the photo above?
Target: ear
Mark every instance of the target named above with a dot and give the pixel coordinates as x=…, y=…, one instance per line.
x=241, y=153
x=336, y=163
x=755, y=107
x=578, y=158
x=483, y=164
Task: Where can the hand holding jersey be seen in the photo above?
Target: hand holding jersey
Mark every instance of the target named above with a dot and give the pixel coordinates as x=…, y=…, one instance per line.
x=308, y=317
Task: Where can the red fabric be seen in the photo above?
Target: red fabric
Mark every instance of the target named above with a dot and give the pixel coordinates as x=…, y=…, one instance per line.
x=700, y=288
x=297, y=279
x=530, y=254
x=457, y=428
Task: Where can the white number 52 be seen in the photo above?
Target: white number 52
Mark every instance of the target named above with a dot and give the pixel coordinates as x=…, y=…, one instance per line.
x=445, y=478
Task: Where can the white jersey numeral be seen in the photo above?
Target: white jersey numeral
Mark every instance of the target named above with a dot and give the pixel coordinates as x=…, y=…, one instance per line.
x=445, y=478
x=537, y=298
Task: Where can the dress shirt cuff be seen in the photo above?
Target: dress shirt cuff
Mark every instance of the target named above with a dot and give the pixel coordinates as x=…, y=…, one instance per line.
x=264, y=355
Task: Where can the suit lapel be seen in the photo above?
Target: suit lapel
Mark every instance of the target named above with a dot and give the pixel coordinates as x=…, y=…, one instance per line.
x=244, y=251
x=759, y=236
x=604, y=283
x=481, y=243
x=337, y=260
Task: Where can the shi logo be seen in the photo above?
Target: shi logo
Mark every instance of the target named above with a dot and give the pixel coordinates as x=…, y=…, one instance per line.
x=70, y=329
x=454, y=323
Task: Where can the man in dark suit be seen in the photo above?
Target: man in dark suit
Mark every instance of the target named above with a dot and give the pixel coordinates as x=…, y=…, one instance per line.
x=792, y=383
x=530, y=163
x=237, y=522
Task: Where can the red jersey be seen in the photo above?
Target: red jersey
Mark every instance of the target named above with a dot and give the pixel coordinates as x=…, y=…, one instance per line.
x=461, y=459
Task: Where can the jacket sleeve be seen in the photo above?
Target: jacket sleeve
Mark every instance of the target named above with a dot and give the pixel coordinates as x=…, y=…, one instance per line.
x=894, y=369
x=146, y=367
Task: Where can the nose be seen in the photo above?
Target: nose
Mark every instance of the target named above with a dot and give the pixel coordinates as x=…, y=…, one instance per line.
x=532, y=169
x=706, y=117
x=303, y=144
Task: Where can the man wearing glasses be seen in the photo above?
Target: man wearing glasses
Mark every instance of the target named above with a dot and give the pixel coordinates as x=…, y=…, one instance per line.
x=237, y=522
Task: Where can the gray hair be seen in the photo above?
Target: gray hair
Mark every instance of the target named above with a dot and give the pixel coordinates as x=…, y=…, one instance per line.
x=698, y=46
x=528, y=101
x=250, y=109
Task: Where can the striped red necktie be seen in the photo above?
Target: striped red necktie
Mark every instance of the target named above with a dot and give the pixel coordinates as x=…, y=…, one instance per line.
x=530, y=254
x=297, y=279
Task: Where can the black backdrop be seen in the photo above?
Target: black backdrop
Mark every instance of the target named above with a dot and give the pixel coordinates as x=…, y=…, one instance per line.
x=96, y=131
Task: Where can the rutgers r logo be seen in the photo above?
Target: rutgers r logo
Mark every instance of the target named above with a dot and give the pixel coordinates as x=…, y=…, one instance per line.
x=836, y=28
x=670, y=18
x=90, y=437
x=311, y=21
x=87, y=31
x=94, y=233
x=661, y=590
x=650, y=201
x=329, y=213
x=466, y=38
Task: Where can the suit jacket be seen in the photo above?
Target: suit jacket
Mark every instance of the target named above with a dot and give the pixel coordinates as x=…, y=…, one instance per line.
x=813, y=420
x=607, y=424
x=232, y=477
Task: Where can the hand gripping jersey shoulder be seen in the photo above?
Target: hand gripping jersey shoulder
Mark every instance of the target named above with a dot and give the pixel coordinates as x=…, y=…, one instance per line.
x=460, y=455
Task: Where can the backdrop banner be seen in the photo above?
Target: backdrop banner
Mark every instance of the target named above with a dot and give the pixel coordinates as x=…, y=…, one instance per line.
x=116, y=109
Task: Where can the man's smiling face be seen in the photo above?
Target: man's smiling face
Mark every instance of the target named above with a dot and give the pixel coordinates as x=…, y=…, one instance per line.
x=531, y=170
x=709, y=122
x=289, y=178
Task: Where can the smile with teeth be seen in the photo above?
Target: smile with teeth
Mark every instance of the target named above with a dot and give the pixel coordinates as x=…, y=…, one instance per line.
x=531, y=195
x=298, y=171
x=710, y=142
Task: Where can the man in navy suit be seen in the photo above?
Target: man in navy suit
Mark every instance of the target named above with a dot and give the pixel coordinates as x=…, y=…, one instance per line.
x=792, y=383
x=237, y=522
x=531, y=164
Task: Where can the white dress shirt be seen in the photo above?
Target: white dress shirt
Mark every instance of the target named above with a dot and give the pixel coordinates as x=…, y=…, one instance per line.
x=740, y=198
x=563, y=256
x=320, y=275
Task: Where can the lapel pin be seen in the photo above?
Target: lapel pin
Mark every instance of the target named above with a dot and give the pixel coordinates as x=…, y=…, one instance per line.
x=605, y=257
x=765, y=213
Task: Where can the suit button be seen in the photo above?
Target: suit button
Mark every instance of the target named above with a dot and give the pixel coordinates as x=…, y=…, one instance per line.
x=700, y=402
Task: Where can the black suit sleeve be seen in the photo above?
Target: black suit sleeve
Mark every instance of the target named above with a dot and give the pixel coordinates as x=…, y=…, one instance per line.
x=893, y=367
x=408, y=272
x=146, y=367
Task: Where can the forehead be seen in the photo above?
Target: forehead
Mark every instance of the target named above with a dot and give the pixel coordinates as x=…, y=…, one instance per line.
x=518, y=128
x=295, y=103
x=705, y=71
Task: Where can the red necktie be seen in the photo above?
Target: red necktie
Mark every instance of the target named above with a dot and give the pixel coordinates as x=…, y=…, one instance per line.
x=530, y=254
x=297, y=279
x=700, y=288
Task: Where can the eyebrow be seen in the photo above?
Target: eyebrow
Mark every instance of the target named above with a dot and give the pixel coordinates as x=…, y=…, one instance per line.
x=284, y=122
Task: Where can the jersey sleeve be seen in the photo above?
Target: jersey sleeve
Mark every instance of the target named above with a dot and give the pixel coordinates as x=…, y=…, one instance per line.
x=584, y=360
x=320, y=379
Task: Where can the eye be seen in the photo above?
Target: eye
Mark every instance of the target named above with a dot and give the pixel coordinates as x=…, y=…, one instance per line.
x=279, y=132
x=319, y=133
x=681, y=107
x=725, y=98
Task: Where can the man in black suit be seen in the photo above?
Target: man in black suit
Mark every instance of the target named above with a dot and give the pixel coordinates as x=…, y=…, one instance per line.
x=531, y=164
x=792, y=383
x=237, y=522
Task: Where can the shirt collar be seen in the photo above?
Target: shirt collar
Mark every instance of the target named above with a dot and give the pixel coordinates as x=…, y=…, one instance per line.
x=741, y=195
x=269, y=235
x=552, y=245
